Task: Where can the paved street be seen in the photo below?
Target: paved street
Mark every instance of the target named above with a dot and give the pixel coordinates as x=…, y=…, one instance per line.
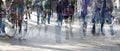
x=51, y=37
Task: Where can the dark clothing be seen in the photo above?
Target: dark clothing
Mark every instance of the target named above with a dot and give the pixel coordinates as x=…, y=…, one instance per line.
x=103, y=15
x=2, y=25
x=84, y=8
x=65, y=9
x=103, y=9
x=65, y=4
x=59, y=8
x=13, y=7
x=71, y=9
x=20, y=5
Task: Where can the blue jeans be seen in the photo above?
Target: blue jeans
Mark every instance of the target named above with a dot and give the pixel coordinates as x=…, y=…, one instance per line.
x=103, y=15
x=49, y=16
x=20, y=11
x=38, y=15
x=102, y=24
x=59, y=17
x=2, y=26
x=84, y=21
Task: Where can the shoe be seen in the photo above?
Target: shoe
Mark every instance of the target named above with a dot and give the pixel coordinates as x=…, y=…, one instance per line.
x=93, y=32
x=12, y=27
x=48, y=22
x=25, y=29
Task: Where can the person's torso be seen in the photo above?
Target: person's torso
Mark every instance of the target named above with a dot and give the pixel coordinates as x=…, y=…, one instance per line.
x=20, y=5
x=13, y=8
x=59, y=8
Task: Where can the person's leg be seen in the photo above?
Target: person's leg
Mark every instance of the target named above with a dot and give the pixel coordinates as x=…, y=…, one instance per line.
x=26, y=15
x=49, y=16
x=14, y=20
x=71, y=18
x=61, y=18
x=94, y=18
x=93, y=28
x=20, y=25
x=38, y=15
x=29, y=14
x=44, y=18
x=3, y=28
x=102, y=25
x=103, y=16
x=57, y=17
x=83, y=19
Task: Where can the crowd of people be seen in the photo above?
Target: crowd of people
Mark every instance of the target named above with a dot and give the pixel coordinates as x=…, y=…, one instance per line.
x=16, y=9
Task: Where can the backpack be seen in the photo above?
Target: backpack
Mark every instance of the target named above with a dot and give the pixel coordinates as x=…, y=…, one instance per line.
x=47, y=5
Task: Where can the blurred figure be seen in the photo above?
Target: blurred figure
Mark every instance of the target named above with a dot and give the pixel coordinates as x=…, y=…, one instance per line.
x=48, y=10
x=28, y=6
x=95, y=15
x=105, y=4
x=84, y=12
x=65, y=11
x=13, y=9
x=59, y=9
x=71, y=11
x=2, y=25
x=101, y=13
x=8, y=4
x=102, y=21
x=20, y=14
x=43, y=16
x=37, y=5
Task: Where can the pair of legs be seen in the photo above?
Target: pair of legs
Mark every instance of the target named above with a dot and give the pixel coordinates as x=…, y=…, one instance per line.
x=84, y=21
x=38, y=15
x=59, y=18
x=20, y=18
x=49, y=16
x=2, y=27
x=28, y=14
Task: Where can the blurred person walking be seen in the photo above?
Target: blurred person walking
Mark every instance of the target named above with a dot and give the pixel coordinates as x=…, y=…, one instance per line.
x=48, y=10
x=59, y=9
x=20, y=13
x=37, y=5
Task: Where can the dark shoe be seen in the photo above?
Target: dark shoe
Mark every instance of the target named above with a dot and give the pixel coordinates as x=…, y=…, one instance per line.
x=12, y=27
x=25, y=29
x=48, y=22
x=93, y=32
x=19, y=30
